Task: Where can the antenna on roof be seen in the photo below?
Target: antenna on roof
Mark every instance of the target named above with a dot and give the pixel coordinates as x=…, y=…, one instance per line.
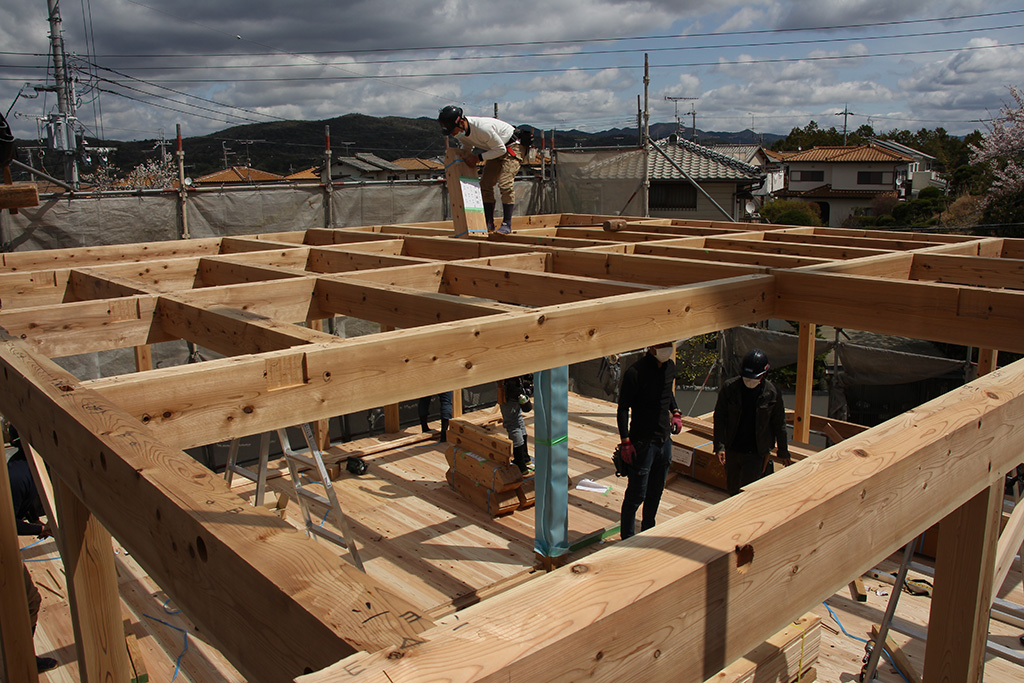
x=676, y=100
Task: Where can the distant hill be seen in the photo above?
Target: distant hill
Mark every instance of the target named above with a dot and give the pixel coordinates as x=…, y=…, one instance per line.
x=285, y=147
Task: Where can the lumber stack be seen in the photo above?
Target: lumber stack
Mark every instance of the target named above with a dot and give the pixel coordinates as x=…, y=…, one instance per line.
x=787, y=656
x=480, y=469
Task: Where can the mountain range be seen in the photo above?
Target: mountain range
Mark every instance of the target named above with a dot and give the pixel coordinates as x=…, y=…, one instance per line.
x=285, y=147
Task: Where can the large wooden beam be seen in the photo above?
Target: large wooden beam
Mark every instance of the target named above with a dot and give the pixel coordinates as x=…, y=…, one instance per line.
x=649, y=270
x=936, y=312
x=696, y=593
x=142, y=251
x=227, y=564
x=227, y=398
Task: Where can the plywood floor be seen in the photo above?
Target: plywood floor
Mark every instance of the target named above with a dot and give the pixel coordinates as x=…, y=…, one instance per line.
x=413, y=531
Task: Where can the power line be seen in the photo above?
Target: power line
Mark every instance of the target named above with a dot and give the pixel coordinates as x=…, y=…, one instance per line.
x=506, y=72
x=583, y=41
x=562, y=55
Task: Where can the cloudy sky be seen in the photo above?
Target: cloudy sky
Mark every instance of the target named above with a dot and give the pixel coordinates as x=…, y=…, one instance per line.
x=769, y=65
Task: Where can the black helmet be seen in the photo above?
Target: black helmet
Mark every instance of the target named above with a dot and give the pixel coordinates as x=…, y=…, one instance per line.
x=755, y=364
x=447, y=118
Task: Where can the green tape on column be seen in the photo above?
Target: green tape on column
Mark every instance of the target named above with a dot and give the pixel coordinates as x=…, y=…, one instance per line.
x=551, y=461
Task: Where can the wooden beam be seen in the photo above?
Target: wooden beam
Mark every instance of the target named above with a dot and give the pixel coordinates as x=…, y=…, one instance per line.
x=86, y=256
x=330, y=261
x=33, y=288
x=222, y=271
x=962, y=597
x=969, y=270
x=229, y=398
x=396, y=306
x=804, y=383
x=230, y=331
x=730, y=584
x=648, y=270
x=526, y=287
x=87, y=326
x=936, y=312
x=817, y=250
x=18, y=195
x=92, y=591
x=730, y=256
x=197, y=533
x=1009, y=546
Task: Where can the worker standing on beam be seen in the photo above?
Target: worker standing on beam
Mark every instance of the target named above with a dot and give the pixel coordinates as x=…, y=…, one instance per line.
x=502, y=152
x=750, y=418
x=647, y=413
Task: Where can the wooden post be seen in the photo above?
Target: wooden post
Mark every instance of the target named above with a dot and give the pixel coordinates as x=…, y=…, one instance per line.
x=961, y=601
x=987, y=359
x=321, y=427
x=16, y=633
x=804, y=383
x=92, y=591
x=464, y=194
x=143, y=358
x=457, y=403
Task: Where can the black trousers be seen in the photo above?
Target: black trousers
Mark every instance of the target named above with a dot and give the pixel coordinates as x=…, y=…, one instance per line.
x=744, y=468
x=647, y=477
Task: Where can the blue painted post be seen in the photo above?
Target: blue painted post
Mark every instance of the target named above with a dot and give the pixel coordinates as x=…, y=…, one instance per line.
x=551, y=466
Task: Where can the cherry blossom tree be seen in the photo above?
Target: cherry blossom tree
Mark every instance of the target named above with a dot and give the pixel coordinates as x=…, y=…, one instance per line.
x=1002, y=149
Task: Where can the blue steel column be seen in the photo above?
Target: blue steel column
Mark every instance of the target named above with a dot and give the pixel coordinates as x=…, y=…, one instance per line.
x=551, y=462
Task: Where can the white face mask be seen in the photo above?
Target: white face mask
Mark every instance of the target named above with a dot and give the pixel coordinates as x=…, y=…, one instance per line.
x=663, y=354
x=751, y=383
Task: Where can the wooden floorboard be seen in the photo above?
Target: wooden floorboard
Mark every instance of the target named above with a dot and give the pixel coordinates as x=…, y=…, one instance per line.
x=414, y=531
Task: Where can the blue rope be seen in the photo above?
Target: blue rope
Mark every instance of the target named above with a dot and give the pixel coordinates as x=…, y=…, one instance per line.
x=177, y=663
x=843, y=629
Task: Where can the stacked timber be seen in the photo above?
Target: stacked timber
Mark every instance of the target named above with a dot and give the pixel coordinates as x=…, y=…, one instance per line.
x=787, y=657
x=480, y=469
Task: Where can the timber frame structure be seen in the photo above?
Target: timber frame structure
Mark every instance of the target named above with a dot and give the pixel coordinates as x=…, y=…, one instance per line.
x=678, y=603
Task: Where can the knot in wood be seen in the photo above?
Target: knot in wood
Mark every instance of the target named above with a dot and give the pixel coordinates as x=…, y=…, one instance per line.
x=395, y=654
x=860, y=453
x=580, y=569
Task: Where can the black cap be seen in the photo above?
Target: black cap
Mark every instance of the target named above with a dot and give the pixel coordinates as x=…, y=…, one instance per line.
x=447, y=117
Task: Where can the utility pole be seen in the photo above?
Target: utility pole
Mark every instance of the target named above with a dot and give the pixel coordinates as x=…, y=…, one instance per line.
x=647, y=136
x=693, y=124
x=61, y=125
x=676, y=101
x=495, y=110
x=182, y=186
x=224, y=146
x=845, y=113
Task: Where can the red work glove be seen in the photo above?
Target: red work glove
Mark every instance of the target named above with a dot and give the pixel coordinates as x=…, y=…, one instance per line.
x=677, y=423
x=628, y=452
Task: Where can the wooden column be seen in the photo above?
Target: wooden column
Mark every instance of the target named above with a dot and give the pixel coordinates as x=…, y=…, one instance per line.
x=15, y=625
x=804, y=383
x=143, y=358
x=322, y=427
x=464, y=194
x=987, y=359
x=457, y=403
x=961, y=601
x=92, y=591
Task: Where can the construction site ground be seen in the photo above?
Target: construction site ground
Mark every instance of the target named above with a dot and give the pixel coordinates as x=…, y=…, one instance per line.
x=414, y=532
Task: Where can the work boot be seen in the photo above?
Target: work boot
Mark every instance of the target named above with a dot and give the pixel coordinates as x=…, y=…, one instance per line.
x=489, y=215
x=506, y=218
x=521, y=458
x=424, y=425
x=444, y=430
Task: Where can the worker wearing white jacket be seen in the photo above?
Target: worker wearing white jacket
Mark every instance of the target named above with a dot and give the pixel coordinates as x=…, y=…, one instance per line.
x=501, y=151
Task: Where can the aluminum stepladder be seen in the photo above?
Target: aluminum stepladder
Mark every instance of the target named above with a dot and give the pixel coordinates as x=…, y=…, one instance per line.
x=259, y=476
x=313, y=459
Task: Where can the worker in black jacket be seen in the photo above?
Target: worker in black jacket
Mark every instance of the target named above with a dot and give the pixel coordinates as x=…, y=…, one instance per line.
x=750, y=418
x=647, y=414
x=27, y=509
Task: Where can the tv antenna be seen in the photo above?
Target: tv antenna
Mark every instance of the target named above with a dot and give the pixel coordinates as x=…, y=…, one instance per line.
x=676, y=100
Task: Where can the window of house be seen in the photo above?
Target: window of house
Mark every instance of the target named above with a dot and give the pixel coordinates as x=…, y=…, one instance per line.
x=808, y=176
x=873, y=178
x=673, y=196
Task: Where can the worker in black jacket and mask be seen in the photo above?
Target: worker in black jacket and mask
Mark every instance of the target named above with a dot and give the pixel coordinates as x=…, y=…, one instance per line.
x=750, y=418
